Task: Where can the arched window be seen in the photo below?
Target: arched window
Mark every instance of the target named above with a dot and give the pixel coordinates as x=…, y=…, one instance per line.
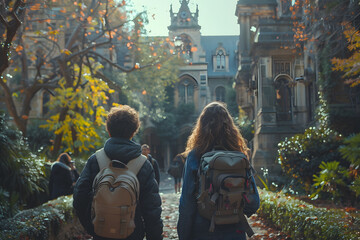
x=186, y=91
x=220, y=60
x=183, y=46
x=283, y=100
x=220, y=94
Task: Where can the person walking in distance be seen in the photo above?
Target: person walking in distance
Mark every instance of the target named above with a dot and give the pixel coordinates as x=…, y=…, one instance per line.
x=122, y=124
x=176, y=170
x=215, y=133
x=146, y=152
x=62, y=177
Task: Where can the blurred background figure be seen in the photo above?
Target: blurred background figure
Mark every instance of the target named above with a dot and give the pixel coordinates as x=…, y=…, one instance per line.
x=145, y=149
x=62, y=177
x=176, y=170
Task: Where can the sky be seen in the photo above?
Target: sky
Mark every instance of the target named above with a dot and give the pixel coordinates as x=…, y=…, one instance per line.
x=216, y=17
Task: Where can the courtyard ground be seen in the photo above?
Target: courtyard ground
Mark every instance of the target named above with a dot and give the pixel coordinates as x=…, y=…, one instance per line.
x=170, y=206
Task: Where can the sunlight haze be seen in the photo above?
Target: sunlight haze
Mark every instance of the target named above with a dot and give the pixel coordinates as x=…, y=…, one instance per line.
x=215, y=17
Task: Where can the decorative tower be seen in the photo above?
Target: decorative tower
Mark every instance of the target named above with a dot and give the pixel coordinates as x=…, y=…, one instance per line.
x=185, y=27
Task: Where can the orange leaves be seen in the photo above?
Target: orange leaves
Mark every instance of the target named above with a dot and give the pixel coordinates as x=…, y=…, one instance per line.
x=35, y=7
x=19, y=48
x=194, y=49
x=350, y=66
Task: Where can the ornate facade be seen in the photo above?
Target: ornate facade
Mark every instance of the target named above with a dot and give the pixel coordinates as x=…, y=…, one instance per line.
x=270, y=80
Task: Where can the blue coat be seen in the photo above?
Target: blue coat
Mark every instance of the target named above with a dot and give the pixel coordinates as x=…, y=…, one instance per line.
x=190, y=224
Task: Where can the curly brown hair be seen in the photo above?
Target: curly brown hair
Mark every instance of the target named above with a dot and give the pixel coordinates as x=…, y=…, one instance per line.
x=215, y=127
x=122, y=121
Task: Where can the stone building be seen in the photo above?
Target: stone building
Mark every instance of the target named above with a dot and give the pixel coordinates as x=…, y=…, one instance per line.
x=207, y=76
x=270, y=79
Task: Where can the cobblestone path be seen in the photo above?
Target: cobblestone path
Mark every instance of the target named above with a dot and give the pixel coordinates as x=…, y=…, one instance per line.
x=170, y=206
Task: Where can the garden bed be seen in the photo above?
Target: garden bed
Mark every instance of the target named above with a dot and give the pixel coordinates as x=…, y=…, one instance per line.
x=302, y=220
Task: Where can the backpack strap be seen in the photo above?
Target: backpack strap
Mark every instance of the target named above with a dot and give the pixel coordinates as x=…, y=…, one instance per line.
x=135, y=164
x=151, y=159
x=102, y=158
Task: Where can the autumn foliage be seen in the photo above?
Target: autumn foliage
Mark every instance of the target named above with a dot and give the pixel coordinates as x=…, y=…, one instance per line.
x=350, y=66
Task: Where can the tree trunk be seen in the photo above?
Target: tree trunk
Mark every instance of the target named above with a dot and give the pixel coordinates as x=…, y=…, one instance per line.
x=58, y=137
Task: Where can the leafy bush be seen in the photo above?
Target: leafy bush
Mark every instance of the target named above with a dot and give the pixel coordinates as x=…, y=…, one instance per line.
x=331, y=180
x=22, y=178
x=44, y=222
x=351, y=152
x=301, y=155
x=304, y=221
x=38, y=138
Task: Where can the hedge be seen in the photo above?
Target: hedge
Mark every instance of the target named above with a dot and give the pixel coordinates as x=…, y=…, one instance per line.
x=52, y=220
x=302, y=220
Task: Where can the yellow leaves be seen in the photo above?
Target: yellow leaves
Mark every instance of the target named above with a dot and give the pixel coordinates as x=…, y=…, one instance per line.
x=66, y=51
x=85, y=113
x=53, y=32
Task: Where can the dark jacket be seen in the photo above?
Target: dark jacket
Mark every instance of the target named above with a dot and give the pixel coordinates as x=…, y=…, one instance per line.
x=156, y=167
x=61, y=180
x=190, y=224
x=148, y=211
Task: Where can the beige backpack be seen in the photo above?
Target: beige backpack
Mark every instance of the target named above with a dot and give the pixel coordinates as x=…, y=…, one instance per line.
x=116, y=192
x=223, y=183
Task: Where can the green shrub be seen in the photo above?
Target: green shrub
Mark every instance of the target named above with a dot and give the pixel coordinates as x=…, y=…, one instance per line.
x=351, y=152
x=22, y=178
x=38, y=138
x=331, y=180
x=43, y=223
x=301, y=155
x=304, y=221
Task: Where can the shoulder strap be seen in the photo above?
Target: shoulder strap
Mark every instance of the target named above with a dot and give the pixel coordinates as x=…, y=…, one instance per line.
x=135, y=164
x=102, y=158
x=151, y=159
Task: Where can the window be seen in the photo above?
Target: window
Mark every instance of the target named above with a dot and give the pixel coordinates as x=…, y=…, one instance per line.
x=282, y=67
x=220, y=60
x=186, y=91
x=283, y=100
x=203, y=79
x=220, y=94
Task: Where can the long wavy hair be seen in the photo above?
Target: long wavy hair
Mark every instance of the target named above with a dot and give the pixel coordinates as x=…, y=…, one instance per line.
x=215, y=127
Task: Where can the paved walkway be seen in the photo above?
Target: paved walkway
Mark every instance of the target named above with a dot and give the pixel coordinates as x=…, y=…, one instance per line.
x=170, y=213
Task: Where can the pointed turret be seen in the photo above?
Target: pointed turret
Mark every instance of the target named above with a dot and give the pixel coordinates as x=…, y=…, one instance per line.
x=184, y=18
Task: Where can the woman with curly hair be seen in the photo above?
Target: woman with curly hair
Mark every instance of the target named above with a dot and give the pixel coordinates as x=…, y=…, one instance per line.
x=214, y=128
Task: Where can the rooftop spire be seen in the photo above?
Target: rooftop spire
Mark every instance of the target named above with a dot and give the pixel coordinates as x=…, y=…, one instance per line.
x=184, y=2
